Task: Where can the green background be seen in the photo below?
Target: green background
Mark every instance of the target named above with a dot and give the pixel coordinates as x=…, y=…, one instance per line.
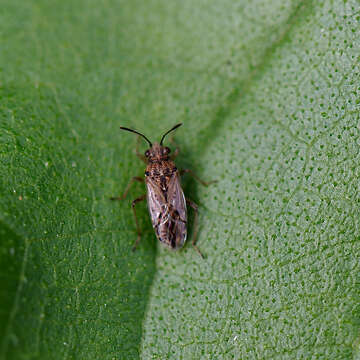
x=269, y=95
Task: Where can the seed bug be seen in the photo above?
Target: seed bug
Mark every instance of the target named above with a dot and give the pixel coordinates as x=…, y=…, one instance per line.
x=165, y=197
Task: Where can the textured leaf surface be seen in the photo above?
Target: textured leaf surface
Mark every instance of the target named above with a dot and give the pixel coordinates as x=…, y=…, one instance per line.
x=269, y=95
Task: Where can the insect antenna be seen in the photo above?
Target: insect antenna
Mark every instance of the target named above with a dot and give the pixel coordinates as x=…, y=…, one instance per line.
x=172, y=129
x=136, y=132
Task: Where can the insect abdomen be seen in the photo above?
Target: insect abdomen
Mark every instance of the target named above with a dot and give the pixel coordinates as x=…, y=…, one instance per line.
x=172, y=233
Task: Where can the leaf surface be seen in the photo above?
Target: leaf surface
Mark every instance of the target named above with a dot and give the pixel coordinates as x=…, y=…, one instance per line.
x=268, y=92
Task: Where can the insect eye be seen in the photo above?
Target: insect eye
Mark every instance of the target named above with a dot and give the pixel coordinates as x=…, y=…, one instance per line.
x=167, y=150
x=147, y=153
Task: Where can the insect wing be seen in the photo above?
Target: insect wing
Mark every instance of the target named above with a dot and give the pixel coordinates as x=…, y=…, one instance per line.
x=176, y=198
x=155, y=202
x=168, y=211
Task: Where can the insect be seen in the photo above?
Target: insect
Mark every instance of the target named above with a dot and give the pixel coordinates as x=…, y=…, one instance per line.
x=165, y=197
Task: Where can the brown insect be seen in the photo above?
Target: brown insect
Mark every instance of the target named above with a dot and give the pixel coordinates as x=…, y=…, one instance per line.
x=165, y=197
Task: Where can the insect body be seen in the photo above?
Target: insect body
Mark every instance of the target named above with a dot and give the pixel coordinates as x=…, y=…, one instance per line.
x=165, y=197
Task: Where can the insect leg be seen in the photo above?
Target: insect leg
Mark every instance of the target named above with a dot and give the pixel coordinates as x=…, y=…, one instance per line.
x=141, y=198
x=188, y=171
x=176, y=151
x=174, y=154
x=195, y=207
x=138, y=153
x=123, y=196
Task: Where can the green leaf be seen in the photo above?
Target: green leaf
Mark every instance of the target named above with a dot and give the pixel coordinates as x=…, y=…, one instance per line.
x=268, y=92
